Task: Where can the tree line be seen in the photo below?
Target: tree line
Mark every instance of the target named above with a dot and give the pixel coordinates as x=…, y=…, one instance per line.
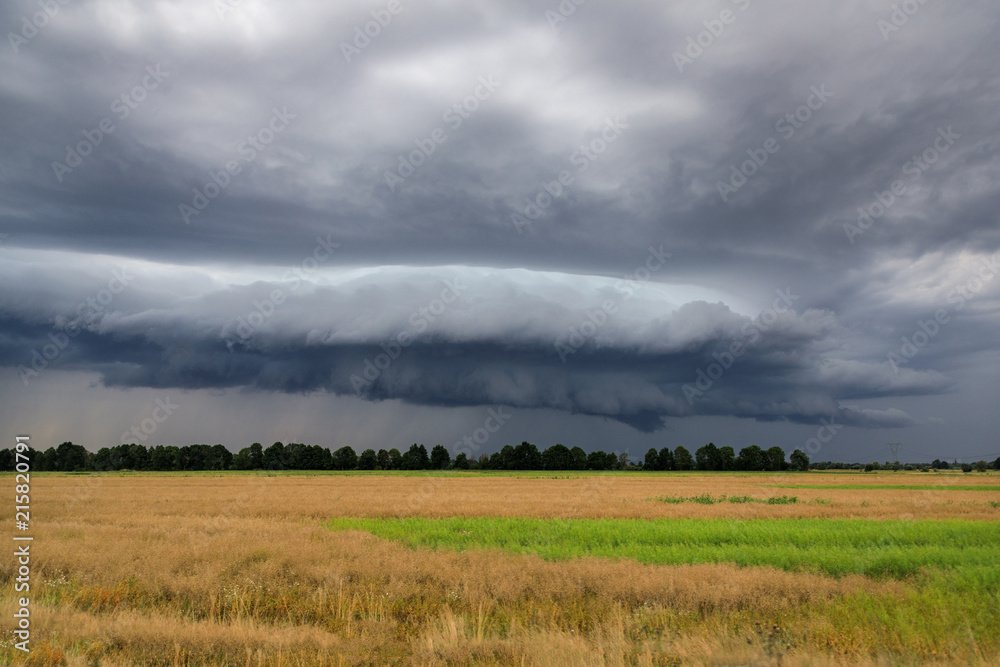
x=70, y=457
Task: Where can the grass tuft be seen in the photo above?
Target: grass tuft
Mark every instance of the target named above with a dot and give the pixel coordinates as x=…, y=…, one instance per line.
x=709, y=499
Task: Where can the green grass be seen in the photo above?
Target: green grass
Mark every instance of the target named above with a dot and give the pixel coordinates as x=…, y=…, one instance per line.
x=906, y=487
x=892, y=549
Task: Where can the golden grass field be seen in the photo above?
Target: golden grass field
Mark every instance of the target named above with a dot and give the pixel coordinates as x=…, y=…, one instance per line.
x=231, y=569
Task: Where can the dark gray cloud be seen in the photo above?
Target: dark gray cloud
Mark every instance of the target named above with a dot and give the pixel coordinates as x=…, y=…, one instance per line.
x=843, y=151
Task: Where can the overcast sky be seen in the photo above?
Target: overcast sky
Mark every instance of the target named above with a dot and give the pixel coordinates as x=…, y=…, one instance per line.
x=614, y=225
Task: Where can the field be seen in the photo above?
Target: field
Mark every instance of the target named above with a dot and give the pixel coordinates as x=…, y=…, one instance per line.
x=494, y=568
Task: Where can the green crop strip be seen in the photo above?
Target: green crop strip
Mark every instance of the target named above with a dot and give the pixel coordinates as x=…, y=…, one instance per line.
x=905, y=487
x=885, y=549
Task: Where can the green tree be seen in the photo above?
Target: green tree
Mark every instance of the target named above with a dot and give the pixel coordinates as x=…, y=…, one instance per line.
x=222, y=458
x=383, y=459
x=395, y=460
x=321, y=458
x=416, y=458
x=728, y=458
x=651, y=460
x=527, y=457
x=164, y=458
x=440, y=458
x=682, y=459
x=799, y=460
x=196, y=457
x=776, y=459
x=966, y=467
x=579, y=458
x=70, y=457
x=666, y=459
x=982, y=466
x=504, y=459
x=557, y=457
x=368, y=460
x=345, y=458
x=242, y=459
x=595, y=460
x=137, y=456
x=327, y=459
x=462, y=461
x=598, y=460
x=491, y=462
x=752, y=458
x=273, y=458
x=44, y=460
x=296, y=456
x=113, y=458
x=256, y=456
x=100, y=461
x=708, y=458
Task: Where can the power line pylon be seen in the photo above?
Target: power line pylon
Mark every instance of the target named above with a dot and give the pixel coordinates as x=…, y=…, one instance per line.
x=894, y=448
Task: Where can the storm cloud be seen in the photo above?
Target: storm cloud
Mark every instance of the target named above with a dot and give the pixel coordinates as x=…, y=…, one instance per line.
x=654, y=215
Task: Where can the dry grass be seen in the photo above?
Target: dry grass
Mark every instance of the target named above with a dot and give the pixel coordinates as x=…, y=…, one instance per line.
x=236, y=570
x=313, y=498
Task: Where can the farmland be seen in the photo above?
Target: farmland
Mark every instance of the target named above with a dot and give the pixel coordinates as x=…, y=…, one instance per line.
x=513, y=568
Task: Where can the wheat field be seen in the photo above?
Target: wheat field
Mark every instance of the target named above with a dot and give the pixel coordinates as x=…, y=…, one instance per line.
x=231, y=569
